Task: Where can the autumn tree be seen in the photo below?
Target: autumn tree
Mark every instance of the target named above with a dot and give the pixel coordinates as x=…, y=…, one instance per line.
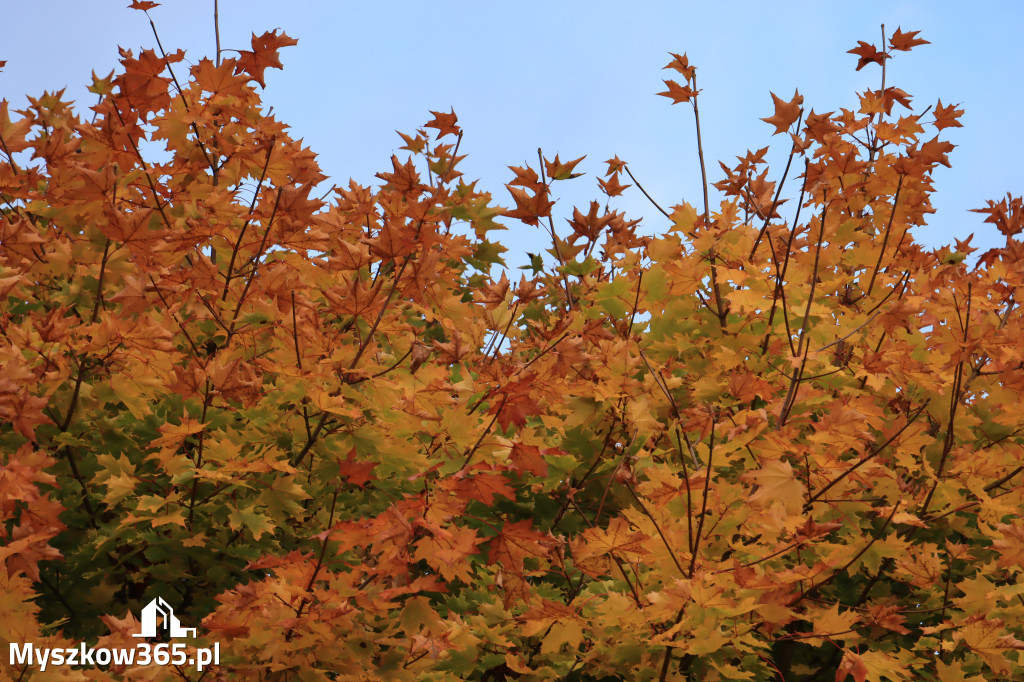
x=781, y=440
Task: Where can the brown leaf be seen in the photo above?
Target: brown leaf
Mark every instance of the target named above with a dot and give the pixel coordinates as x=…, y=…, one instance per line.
x=418, y=354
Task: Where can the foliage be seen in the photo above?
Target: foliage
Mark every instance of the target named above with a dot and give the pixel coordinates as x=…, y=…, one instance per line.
x=757, y=445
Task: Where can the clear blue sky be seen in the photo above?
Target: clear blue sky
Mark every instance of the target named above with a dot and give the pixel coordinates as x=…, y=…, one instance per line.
x=574, y=78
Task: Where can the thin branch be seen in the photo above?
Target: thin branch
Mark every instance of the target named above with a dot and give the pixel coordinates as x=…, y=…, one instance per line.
x=719, y=305
x=252, y=206
x=216, y=27
x=554, y=237
x=480, y=440
x=649, y=197
x=668, y=545
x=778, y=193
x=703, y=502
x=779, y=295
x=885, y=240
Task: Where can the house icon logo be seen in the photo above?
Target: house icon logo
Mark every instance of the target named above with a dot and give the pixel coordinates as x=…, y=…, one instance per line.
x=170, y=623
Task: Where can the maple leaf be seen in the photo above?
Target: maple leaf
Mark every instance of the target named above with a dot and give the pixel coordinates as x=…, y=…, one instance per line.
x=618, y=538
x=483, y=486
x=557, y=170
x=987, y=637
x=258, y=524
x=615, y=165
x=356, y=473
x=777, y=484
x=873, y=666
x=832, y=624
x=513, y=403
x=786, y=113
x=895, y=95
x=413, y=144
x=404, y=179
x=931, y=152
x=852, y=664
x=528, y=178
x=221, y=79
x=529, y=458
x=529, y=209
x=677, y=93
x=448, y=552
x=445, y=123
x=143, y=5
x=492, y=295
x=682, y=65
x=263, y=55
x=23, y=410
x=888, y=616
x=589, y=226
x=1007, y=215
x=946, y=117
x=611, y=186
x=516, y=541
x=905, y=41
x=868, y=54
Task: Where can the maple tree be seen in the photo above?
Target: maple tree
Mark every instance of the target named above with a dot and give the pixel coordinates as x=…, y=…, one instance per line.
x=764, y=444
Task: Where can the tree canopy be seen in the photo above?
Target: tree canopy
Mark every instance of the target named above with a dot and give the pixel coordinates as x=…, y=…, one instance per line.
x=781, y=440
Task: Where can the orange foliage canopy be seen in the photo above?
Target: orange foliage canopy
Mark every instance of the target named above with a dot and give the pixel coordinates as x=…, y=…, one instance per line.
x=755, y=445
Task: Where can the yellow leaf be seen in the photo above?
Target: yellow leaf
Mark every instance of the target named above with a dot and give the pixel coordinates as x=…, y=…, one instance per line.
x=777, y=485
x=832, y=624
x=564, y=632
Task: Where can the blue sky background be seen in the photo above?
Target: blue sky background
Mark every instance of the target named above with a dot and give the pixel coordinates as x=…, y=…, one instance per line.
x=573, y=78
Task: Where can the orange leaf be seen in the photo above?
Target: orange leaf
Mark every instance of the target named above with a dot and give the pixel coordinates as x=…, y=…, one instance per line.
x=445, y=123
x=786, y=113
x=263, y=55
x=615, y=165
x=1007, y=215
x=484, y=486
x=678, y=93
x=946, y=117
x=852, y=664
x=612, y=187
x=905, y=41
x=516, y=541
x=618, y=538
x=528, y=458
x=356, y=473
x=868, y=53
x=682, y=65
x=529, y=209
